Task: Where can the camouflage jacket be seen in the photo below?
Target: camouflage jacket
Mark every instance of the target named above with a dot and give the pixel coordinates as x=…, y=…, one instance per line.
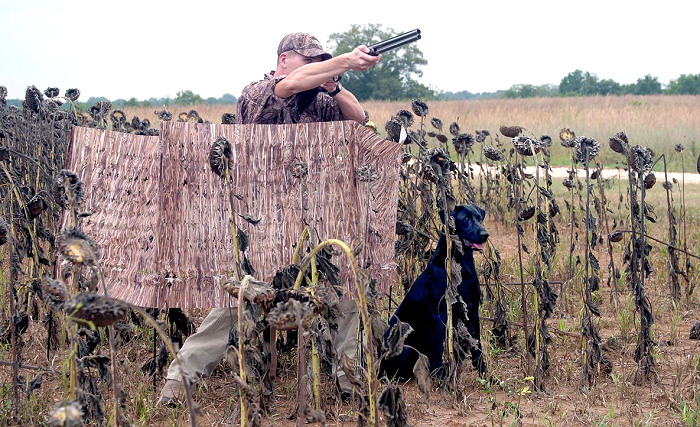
x=259, y=104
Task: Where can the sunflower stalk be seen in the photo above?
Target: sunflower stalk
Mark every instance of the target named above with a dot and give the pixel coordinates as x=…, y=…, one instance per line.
x=372, y=381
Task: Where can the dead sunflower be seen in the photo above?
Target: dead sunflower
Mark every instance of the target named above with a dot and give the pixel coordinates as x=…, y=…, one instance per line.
x=493, y=153
x=463, y=143
x=510, y=131
x=77, y=247
x=73, y=94
x=619, y=143
x=436, y=123
x=51, y=92
x=566, y=136
x=66, y=414
x=54, y=292
x=640, y=159
x=454, y=129
x=220, y=156
x=586, y=149
x=97, y=309
x=419, y=107
x=406, y=117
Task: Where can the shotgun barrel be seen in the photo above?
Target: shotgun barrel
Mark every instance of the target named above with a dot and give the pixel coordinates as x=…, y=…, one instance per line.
x=394, y=42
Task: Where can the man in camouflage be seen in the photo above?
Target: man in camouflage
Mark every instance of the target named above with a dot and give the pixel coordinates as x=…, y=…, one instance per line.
x=304, y=88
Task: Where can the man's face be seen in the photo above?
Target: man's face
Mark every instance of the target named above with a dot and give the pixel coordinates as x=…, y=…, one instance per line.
x=295, y=60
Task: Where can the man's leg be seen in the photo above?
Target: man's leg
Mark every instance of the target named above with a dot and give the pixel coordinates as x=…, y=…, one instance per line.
x=200, y=353
x=345, y=342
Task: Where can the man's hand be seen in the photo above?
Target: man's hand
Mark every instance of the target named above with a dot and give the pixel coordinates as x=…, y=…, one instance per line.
x=360, y=59
x=330, y=85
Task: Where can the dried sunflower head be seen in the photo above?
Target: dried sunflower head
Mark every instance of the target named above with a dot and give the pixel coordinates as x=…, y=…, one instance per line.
x=640, y=159
x=615, y=236
x=493, y=153
x=51, y=92
x=118, y=116
x=164, y=115
x=454, y=129
x=546, y=140
x=525, y=145
x=566, y=136
x=77, y=247
x=193, y=116
x=586, y=149
x=463, y=143
x=33, y=98
x=220, y=156
x=54, y=292
x=3, y=92
x=510, y=131
x=649, y=180
x=228, y=119
x=679, y=148
x=619, y=143
x=436, y=123
x=394, y=128
x=68, y=189
x=419, y=107
x=66, y=414
x=36, y=206
x=406, y=117
x=101, y=311
x=73, y=94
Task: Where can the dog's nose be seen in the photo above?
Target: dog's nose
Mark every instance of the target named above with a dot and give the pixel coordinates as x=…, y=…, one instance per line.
x=484, y=235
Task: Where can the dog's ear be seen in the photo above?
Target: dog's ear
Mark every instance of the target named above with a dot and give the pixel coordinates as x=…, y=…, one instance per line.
x=482, y=212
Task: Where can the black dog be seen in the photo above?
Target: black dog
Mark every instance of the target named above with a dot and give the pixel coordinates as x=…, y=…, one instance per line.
x=424, y=306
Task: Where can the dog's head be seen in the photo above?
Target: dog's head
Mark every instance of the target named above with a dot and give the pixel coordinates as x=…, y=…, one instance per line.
x=469, y=225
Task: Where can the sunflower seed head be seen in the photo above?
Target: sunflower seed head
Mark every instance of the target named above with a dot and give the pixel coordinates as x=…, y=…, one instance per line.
x=228, y=119
x=640, y=159
x=419, y=107
x=54, y=292
x=525, y=145
x=220, y=156
x=493, y=153
x=463, y=143
x=3, y=93
x=77, y=247
x=679, y=148
x=510, y=131
x=454, y=129
x=73, y=94
x=405, y=116
x=33, y=99
x=51, y=92
x=436, y=123
x=619, y=143
x=393, y=129
x=586, y=149
x=164, y=115
x=615, y=236
x=566, y=135
x=101, y=311
x=649, y=180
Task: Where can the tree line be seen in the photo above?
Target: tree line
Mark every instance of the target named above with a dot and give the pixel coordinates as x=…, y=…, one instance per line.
x=579, y=83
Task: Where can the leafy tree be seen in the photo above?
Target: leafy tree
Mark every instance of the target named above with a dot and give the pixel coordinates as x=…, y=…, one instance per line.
x=646, y=85
x=394, y=77
x=609, y=87
x=187, y=97
x=685, y=85
x=531, y=91
x=572, y=84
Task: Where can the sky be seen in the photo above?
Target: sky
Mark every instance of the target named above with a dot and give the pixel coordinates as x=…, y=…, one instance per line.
x=154, y=49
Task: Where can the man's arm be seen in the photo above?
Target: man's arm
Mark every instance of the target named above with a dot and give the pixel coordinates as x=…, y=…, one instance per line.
x=321, y=74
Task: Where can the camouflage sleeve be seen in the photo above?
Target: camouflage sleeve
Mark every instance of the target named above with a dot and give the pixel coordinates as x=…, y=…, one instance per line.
x=258, y=103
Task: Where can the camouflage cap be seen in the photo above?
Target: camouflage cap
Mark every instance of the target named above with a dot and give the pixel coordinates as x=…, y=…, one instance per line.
x=303, y=44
